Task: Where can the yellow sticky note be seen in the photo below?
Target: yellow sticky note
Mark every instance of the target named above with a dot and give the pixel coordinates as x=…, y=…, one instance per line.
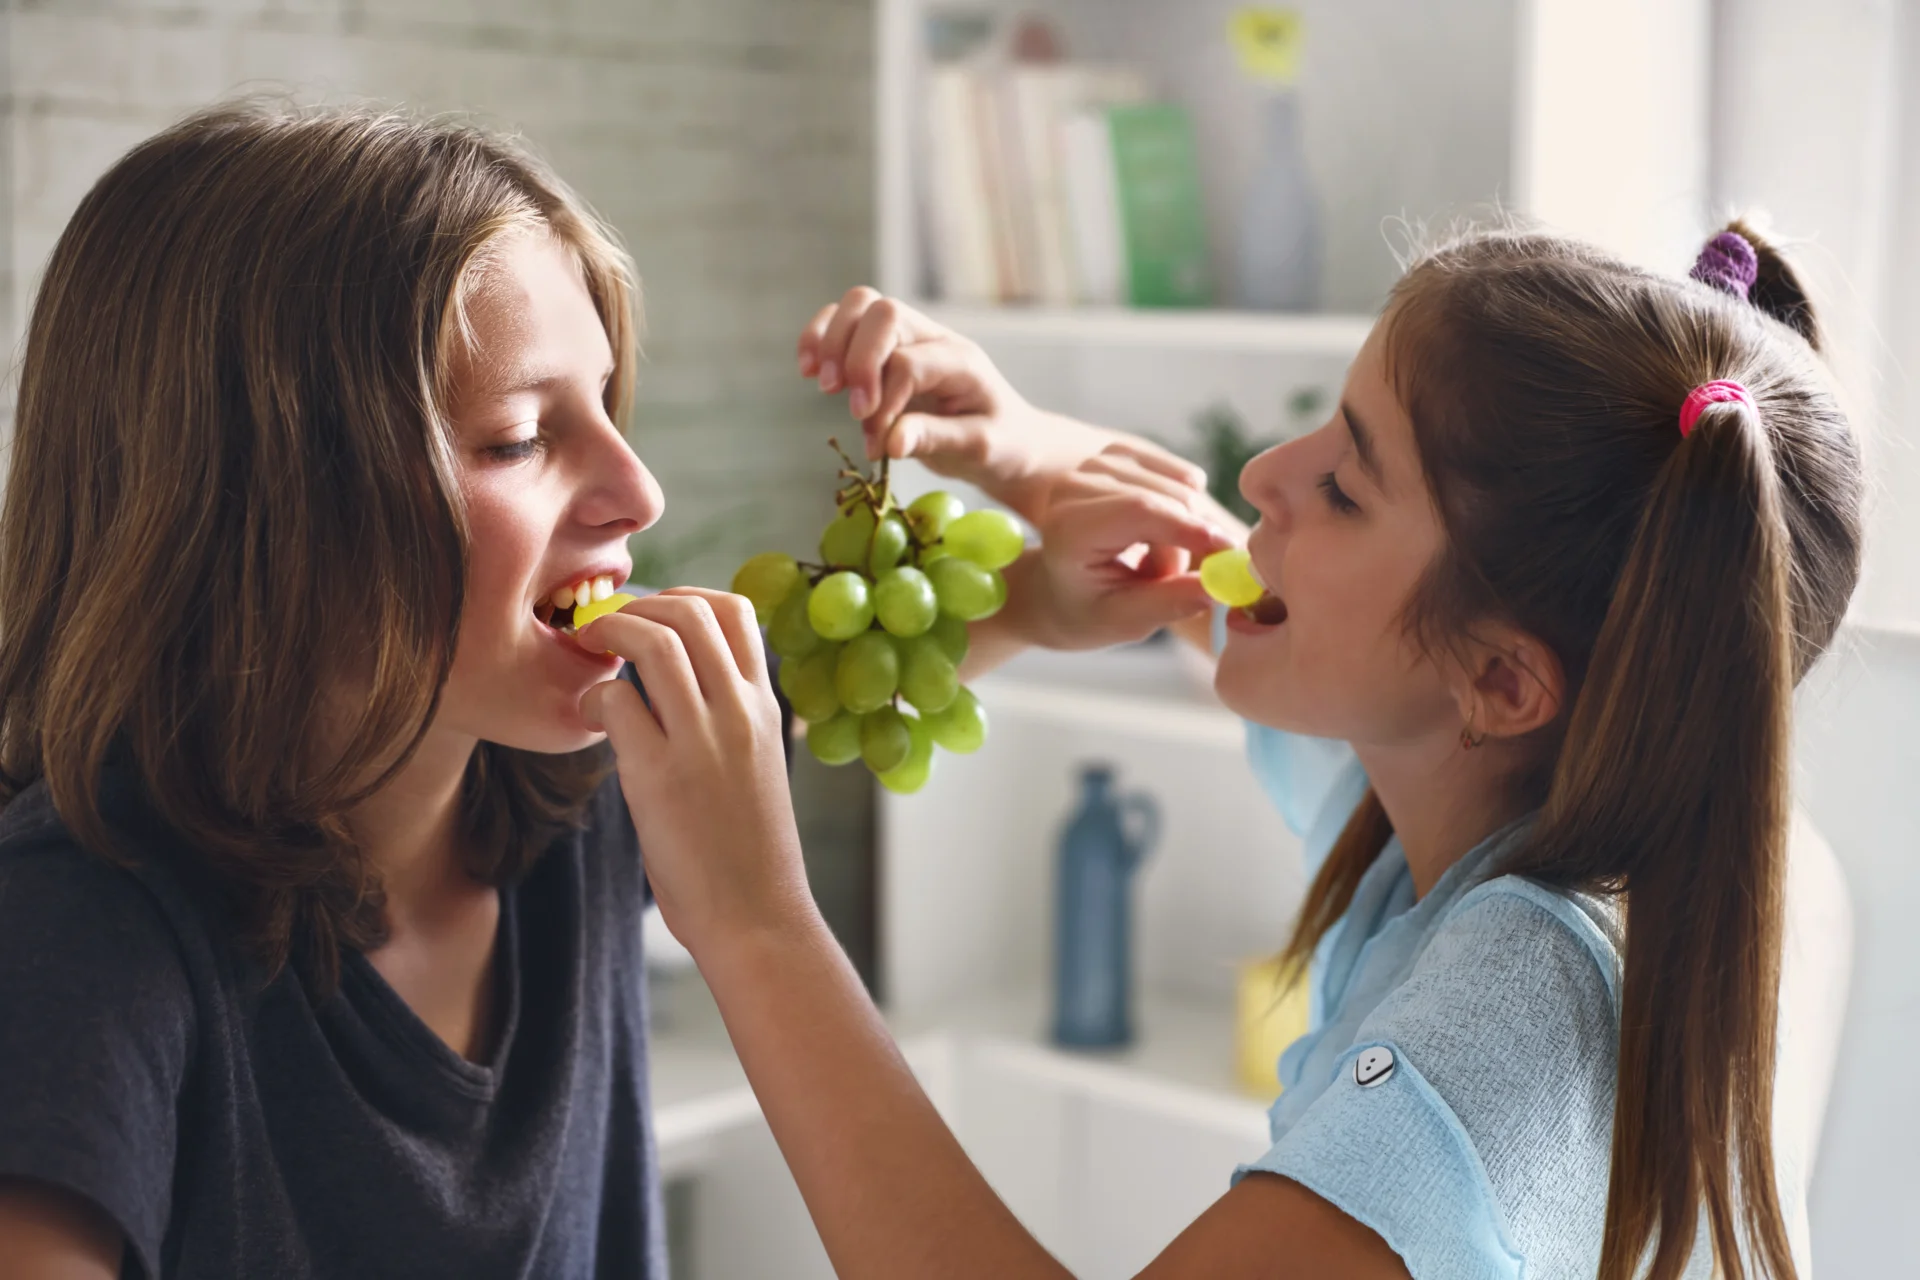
x=1270, y=1018
x=1268, y=42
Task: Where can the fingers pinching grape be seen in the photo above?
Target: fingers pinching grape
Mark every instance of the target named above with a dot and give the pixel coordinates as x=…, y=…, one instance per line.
x=872, y=637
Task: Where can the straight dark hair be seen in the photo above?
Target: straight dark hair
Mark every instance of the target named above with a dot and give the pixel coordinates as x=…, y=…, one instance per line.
x=1685, y=584
x=233, y=548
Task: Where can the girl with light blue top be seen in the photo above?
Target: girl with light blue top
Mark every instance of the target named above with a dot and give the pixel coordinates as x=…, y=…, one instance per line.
x=1535, y=601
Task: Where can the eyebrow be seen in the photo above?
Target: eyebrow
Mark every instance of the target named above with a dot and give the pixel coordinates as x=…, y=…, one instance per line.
x=516, y=381
x=1363, y=444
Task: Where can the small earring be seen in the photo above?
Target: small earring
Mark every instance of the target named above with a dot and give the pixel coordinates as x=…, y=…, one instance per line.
x=1468, y=740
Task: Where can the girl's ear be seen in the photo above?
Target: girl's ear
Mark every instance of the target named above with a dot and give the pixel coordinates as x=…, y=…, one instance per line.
x=1515, y=684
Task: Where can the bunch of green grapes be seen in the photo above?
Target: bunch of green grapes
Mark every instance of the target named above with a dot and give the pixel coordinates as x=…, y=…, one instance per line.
x=872, y=637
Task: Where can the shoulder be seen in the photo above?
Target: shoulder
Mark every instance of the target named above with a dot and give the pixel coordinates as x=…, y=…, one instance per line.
x=1510, y=1017
x=98, y=1023
x=1528, y=937
x=64, y=900
x=1470, y=1122
x=1510, y=1012
x=74, y=925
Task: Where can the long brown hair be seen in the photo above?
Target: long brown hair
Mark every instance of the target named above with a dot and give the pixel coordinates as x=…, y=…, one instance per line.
x=1686, y=584
x=232, y=498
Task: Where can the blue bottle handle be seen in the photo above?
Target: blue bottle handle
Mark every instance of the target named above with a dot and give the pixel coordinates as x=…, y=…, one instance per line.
x=1140, y=807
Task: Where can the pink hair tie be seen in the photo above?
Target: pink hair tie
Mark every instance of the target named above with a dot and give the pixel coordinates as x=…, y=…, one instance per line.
x=1719, y=391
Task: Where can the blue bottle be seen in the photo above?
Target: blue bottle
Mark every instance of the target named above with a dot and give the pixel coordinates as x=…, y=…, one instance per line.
x=1093, y=941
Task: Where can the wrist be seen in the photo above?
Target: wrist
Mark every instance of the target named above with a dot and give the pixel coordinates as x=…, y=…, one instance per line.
x=1024, y=619
x=1028, y=451
x=744, y=958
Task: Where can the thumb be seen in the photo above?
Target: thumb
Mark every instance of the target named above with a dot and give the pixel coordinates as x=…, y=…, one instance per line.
x=1146, y=605
x=929, y=437
x=617, y=708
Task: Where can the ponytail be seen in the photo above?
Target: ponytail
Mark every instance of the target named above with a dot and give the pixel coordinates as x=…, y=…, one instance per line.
x=1673, y=782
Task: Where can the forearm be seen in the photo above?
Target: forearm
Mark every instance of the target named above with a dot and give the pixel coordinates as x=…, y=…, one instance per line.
x=888, y=1186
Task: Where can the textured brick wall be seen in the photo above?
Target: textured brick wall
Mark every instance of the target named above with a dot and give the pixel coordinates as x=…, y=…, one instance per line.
x=728, y=140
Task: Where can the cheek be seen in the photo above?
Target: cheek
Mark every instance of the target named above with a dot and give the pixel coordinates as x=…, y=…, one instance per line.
x=1342, y=665
x=504, y=545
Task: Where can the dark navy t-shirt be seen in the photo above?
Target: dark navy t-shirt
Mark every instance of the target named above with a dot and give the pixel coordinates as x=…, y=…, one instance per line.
x=234, y=1130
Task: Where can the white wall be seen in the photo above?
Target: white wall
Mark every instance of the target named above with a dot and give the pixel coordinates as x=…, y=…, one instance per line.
x=728, y=140
x=1817, y=122
x=1859, y=778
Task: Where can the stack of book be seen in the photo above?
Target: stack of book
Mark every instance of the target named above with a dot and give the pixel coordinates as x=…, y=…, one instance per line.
x=1060, y=184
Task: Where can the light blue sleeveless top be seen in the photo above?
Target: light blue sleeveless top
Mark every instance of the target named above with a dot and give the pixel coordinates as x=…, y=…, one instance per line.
x=1455, y=1089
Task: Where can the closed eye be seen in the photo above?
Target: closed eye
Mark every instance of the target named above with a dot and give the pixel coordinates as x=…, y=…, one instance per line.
x=518, y=450
x=1336, y=496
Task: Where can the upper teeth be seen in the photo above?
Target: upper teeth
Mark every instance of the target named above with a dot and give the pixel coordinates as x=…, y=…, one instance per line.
x=583, y=592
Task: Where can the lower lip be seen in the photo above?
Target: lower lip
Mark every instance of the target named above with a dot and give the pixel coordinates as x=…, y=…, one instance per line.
x=608, y=664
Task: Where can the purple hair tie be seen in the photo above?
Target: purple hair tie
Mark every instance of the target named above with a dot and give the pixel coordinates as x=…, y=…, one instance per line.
x=1728, y=263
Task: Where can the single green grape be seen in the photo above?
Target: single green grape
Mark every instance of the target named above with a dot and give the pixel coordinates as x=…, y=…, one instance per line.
x=847, y=539
x=809, y=684
x=889, y=545
x=952, y=635
x=964, y=589
x=1228, y=577
x=766, y=580
x=928, y=678
x=885, y=739
x=790, y=634
x=931, y=513
x=912, y=773
x=868, y=672
x=962, y=727
x=904, y=602
x=991, y=539
x=835, y=741
x=841, y=607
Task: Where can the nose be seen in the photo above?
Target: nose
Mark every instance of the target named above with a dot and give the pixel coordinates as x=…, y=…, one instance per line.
x=1262, y=483
x=618, y=494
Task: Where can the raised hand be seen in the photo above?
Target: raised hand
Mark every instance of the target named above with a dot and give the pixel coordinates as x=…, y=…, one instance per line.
x=704, y=768
x=1118, y=548
x=922, y=391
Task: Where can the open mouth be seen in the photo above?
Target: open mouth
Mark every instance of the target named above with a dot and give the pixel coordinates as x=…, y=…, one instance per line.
x=556, y=609
x=1269, y=610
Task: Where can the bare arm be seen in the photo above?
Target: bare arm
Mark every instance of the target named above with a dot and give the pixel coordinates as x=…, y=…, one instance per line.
x=888, y=1185
x=47, y=1233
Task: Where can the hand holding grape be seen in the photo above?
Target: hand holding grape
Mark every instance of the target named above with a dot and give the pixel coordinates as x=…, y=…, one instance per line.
x=922, y=391
x=703, y=769
x=1116, y=555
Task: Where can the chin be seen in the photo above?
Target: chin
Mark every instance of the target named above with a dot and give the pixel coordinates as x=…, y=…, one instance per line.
x=1259, y=698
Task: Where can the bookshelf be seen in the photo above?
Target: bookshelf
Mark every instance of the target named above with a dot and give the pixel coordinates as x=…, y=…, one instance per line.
x=1591, y=118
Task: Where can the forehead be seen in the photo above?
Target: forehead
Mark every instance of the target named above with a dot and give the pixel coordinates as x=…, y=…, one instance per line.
x=528, y=309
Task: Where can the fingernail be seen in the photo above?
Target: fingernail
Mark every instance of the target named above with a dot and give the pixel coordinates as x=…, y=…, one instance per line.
x=806, y=365
x=858, y=402
x=829, y=376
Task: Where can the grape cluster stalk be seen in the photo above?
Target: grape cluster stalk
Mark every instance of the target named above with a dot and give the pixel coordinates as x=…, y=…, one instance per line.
x=871, y=637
